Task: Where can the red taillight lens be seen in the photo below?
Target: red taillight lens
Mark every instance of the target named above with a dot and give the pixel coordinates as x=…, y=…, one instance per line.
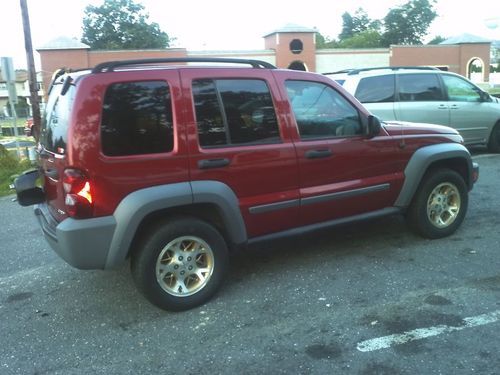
x=78, y=189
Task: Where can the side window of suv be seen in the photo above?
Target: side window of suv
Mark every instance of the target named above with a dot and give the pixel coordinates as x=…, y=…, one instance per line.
x=321, y=112
x=419, y=88
x=376, y=89
x=137, y=119
x=460, y=90
x=234, y=112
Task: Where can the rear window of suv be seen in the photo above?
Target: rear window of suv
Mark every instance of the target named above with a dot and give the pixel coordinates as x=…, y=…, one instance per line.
x=379, y=89
x=137, y=119
x=55, y=122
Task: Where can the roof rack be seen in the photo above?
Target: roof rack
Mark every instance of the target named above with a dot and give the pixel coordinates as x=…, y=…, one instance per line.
x=109, y=66
x=357, y=71
x=344, y=71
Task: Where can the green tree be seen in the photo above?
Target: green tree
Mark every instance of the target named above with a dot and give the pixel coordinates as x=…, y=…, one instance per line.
x=360, y=22
x=323, y=42
x=121, y=24
x=409, y=23
x=364, y=39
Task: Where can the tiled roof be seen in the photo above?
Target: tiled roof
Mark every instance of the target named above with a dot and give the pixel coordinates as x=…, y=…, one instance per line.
x=466, y=39
x=292, y=28
x=63, y=42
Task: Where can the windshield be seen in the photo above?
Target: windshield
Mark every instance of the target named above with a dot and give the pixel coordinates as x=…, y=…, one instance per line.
x=55, y=122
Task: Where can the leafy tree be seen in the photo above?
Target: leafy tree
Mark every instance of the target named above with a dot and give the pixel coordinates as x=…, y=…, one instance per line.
x=121, y=24
x=408, y=23
x=323, y=42
x=364, y=39
x=360, y=22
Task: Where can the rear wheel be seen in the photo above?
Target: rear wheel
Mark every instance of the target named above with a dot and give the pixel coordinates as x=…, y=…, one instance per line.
x=440, y=204
x=180, y=264
x=494, y=141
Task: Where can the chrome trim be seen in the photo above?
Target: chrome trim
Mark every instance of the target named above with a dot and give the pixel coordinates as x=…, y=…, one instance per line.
x=274, y=206
x=344, y=194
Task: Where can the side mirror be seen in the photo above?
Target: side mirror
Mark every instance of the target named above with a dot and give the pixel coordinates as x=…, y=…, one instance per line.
x=374, y=126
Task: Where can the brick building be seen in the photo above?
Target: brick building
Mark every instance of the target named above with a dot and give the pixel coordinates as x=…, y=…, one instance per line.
x=293, y=47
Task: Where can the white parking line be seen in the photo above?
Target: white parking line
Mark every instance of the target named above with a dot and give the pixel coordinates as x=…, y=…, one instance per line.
x=385, y=342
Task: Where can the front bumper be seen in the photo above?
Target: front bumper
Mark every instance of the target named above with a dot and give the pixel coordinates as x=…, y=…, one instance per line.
x=84, y=244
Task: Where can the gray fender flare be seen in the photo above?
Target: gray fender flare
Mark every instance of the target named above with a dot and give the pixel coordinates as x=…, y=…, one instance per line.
x=420, y=162
x=137, y=205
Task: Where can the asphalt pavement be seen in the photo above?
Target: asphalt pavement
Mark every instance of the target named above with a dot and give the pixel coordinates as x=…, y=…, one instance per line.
x=368, y=298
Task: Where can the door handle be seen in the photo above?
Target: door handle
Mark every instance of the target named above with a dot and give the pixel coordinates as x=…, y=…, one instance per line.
x=442, y=106
x=212, y=163
x=318, y=154
x=454, y=106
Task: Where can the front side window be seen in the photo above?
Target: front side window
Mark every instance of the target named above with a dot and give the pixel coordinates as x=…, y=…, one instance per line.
x=419, y=88
x=376, y=89
x=137, y=119
x=460, y=90
x=234, y=112
x=321, y=112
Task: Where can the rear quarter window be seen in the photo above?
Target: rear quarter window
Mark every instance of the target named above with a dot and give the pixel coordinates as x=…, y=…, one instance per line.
x=137, y=119
x=379, y=89
x=56, y=119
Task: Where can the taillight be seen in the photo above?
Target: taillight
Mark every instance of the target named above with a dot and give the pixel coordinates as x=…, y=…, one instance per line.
x=78, y=189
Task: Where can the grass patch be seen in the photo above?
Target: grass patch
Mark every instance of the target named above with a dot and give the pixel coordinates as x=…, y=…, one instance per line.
x=10, y=166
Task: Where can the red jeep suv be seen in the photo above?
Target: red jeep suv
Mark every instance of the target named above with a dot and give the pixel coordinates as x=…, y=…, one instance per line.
x=172, y=164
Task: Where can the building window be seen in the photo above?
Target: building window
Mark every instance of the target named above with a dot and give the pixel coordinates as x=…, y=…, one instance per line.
x=296, y=46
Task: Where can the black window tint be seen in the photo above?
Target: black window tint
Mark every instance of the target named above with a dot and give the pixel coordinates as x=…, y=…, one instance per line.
x=321, y=112
x=234, y=112
x=55, y=122
x=137, y=119
x=211, y=129
x=376, y=89
x=419, y=87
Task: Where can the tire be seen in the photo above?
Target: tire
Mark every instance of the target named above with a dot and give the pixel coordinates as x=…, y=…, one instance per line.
x=439, y=205
x=494, y=141
x=180, y=264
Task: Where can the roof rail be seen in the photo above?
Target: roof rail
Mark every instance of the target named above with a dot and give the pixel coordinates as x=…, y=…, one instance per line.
x=109, y=66
x=357, y=71
x=339, y=71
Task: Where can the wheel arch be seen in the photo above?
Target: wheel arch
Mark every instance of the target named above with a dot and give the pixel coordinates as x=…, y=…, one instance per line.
x=211, y=201
x=448, y=155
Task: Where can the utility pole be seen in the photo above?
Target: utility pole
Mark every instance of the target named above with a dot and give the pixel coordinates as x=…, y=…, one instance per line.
x=35, y=105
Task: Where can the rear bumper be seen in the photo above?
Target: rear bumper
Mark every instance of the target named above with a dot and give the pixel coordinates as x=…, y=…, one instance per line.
x=84, y=244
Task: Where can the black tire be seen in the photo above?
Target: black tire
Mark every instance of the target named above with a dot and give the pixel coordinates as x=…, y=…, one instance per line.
x=494, y=141
x=186, y=245
x=430, y=214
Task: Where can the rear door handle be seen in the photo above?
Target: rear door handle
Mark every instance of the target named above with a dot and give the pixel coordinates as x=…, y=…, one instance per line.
x=443, y=106
x=454, y=106
x=318, y=154
x=213, y=163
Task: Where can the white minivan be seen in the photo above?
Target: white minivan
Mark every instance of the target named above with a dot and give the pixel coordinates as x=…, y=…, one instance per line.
x=429, y=95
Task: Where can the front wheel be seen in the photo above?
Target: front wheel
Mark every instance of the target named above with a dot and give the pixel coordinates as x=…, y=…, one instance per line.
x=180, y=264
x=440, y=204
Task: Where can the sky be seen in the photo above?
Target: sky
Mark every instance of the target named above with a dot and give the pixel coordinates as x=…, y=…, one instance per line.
x=232, y=24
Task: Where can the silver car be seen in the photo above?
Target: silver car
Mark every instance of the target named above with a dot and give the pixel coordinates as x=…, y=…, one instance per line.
x=423, y=94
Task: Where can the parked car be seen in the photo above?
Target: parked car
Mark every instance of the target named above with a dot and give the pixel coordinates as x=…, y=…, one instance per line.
x=429, y=95
x=174, y=166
